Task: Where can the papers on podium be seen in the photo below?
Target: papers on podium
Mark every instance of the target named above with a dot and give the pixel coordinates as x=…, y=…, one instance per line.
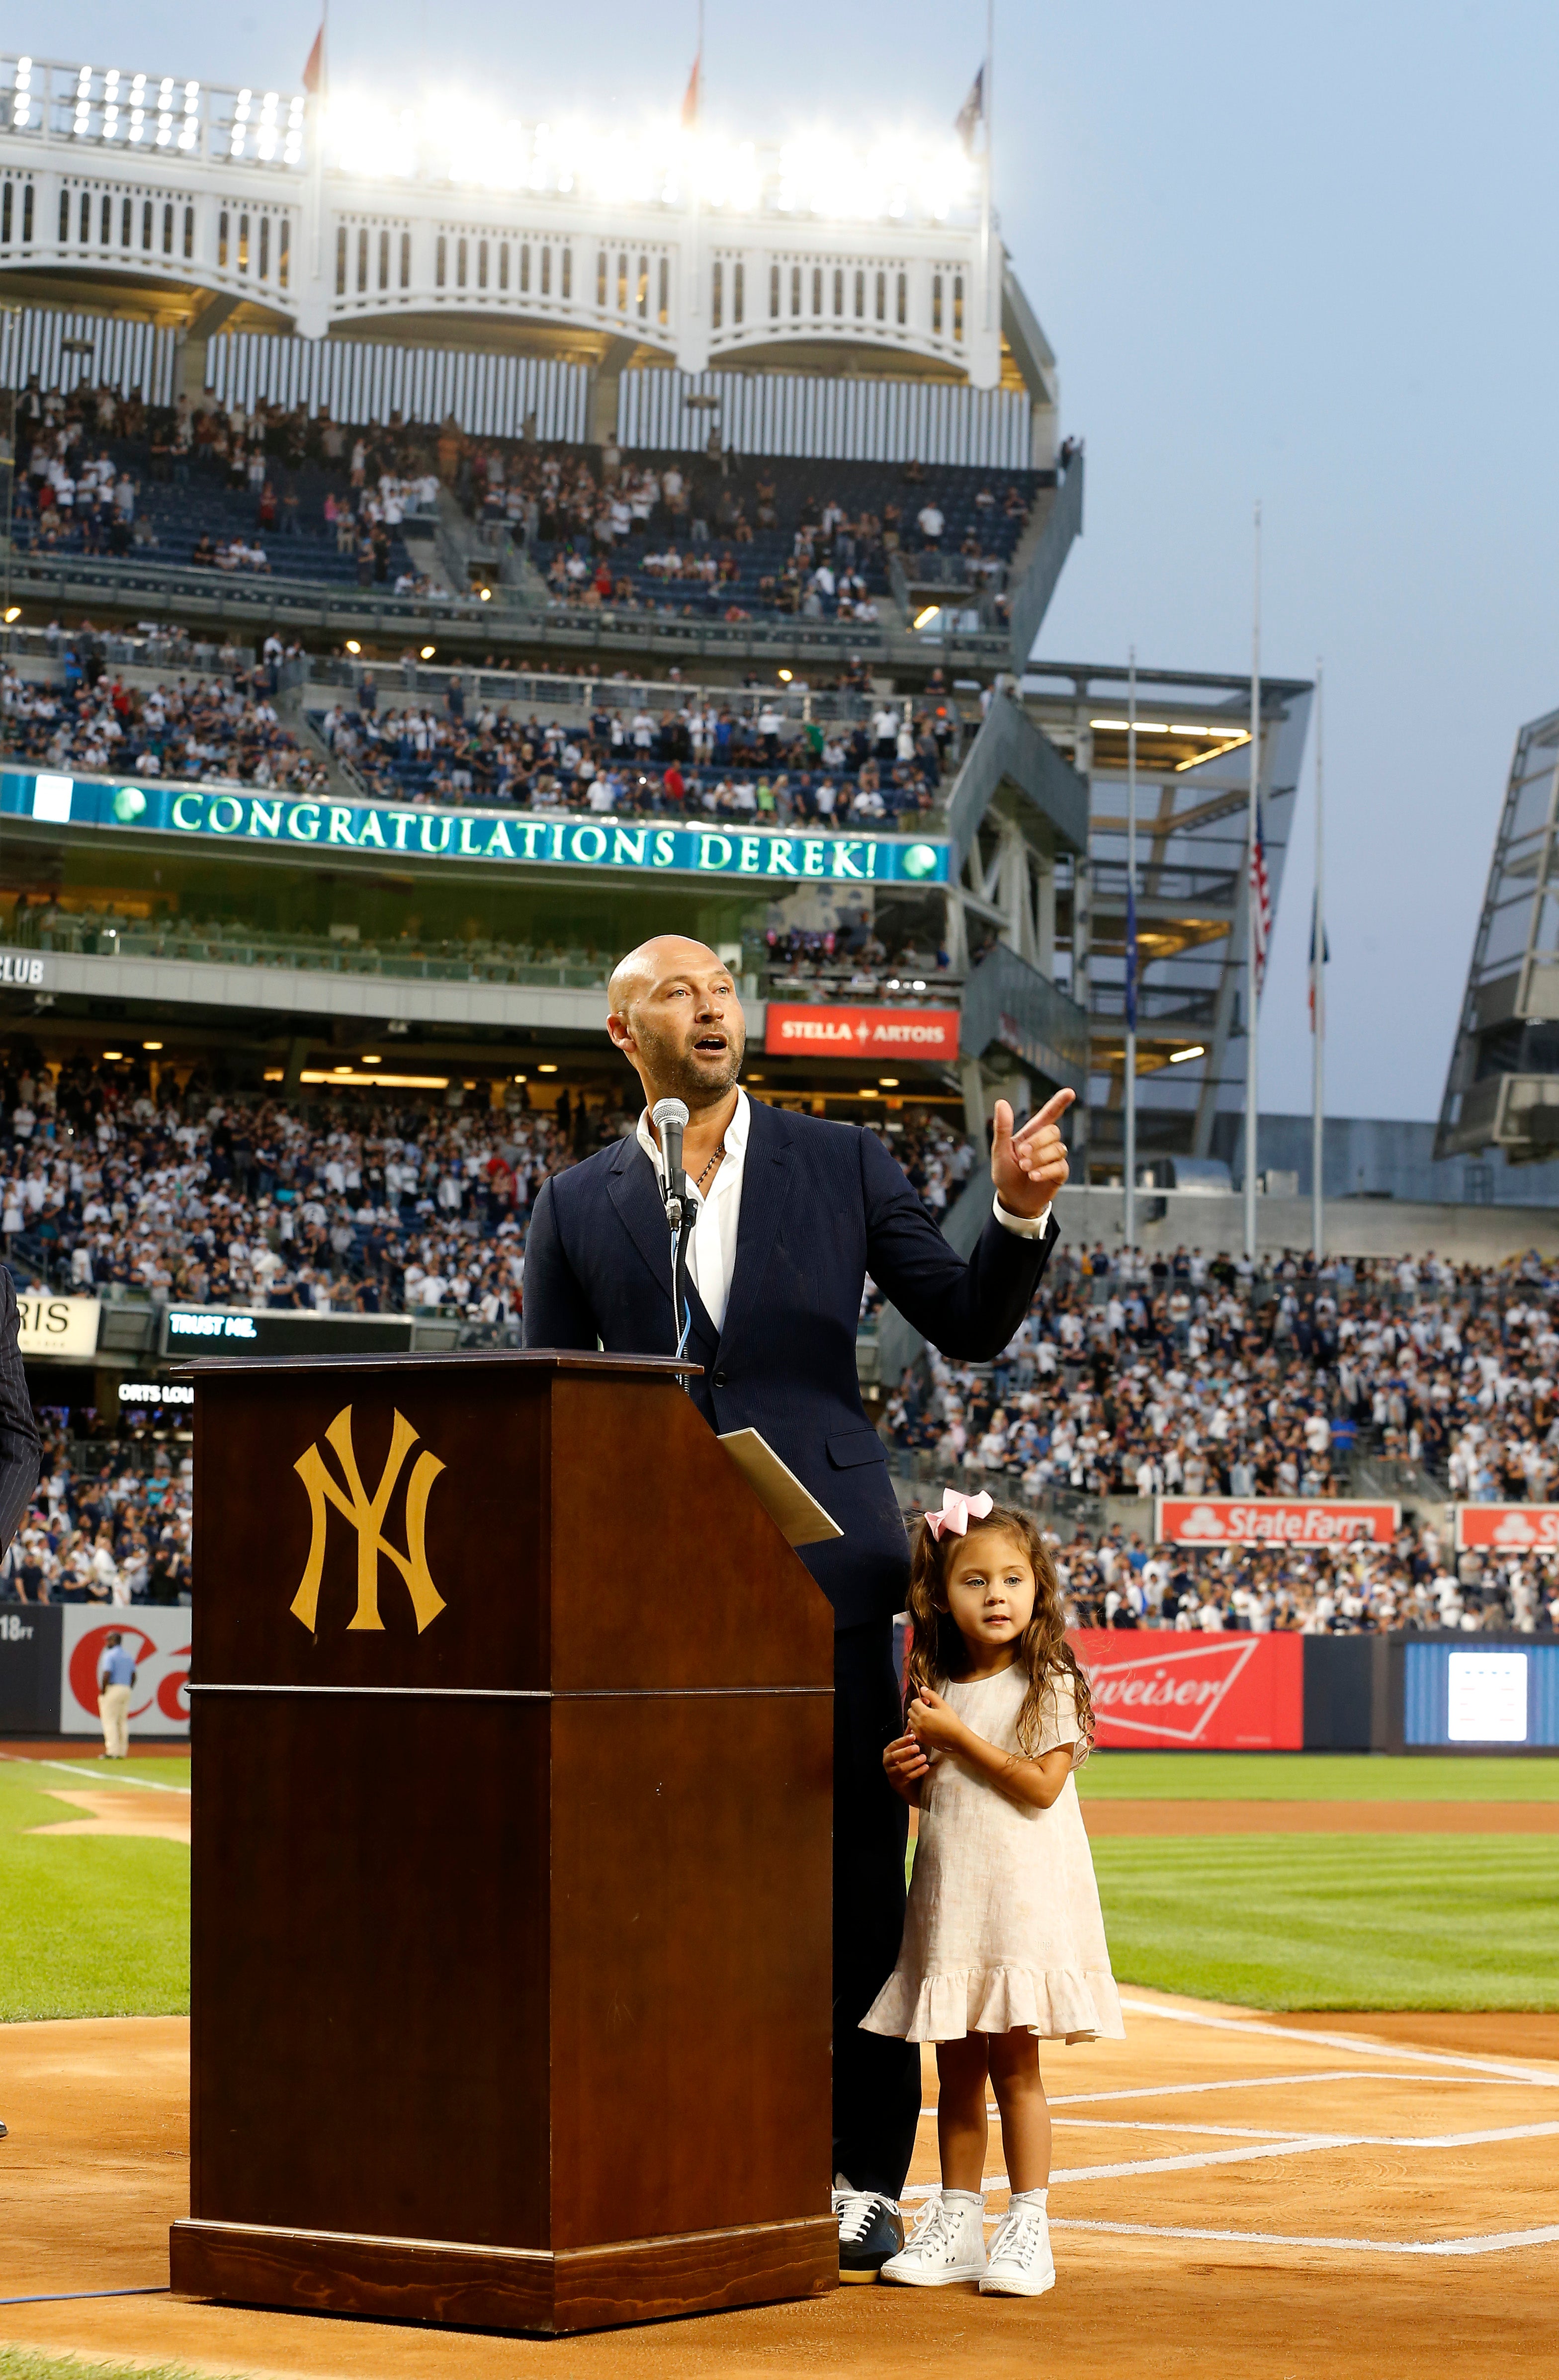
x=793, y=1511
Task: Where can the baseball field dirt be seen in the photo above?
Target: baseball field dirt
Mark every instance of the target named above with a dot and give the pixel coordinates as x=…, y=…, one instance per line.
x=1240, y=2197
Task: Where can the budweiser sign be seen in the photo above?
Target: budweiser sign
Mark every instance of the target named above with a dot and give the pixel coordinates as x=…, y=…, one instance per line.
x=818, y=1032
x=1218, y=1692
x=1508, y=1528
x=1267, y=1519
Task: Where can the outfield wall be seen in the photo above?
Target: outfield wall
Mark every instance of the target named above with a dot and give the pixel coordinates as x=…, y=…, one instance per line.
x=1155, y=1689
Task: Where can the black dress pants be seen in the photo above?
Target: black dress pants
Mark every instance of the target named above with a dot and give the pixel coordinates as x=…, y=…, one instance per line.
x=876, y=2081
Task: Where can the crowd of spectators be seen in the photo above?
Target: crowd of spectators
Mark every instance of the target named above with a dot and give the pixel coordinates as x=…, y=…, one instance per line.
x=1128, y=1378
x=1190, y=1379
x=217, y=731
x=700, y=760
x=113, y=1182
x=714, y=538
x=205, y=484
x=114, y=1532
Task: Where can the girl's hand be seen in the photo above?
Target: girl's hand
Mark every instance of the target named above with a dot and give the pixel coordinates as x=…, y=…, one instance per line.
x=933, y=1723
x=906, y=1768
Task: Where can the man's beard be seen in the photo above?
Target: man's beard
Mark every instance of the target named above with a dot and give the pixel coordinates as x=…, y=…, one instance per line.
x=685, y=1075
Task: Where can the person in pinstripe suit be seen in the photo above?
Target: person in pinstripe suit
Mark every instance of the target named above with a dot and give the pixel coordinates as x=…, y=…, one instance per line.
x=20, y=1449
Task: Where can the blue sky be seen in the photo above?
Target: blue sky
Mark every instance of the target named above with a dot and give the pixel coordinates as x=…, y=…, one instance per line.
x=1299, y=255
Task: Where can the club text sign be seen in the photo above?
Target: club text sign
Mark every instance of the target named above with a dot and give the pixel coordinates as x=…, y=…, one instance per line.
x=816, y=1032
x=1269, y=1519
x=239, y=816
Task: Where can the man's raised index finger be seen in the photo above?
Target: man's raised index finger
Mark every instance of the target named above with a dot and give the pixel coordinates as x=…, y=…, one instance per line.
x=1052, y=1109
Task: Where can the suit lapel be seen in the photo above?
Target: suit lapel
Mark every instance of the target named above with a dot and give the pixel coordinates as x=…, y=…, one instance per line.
x=765, y=1185
x=636, y=1195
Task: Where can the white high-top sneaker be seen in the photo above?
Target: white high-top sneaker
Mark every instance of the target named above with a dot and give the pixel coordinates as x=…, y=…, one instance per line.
x=946, y=2245
x=1020, y=2264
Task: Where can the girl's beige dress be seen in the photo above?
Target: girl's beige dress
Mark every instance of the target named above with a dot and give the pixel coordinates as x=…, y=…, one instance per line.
x=1004, y=1927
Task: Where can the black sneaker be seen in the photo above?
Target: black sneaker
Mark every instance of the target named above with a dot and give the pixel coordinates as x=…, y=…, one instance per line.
x=871, y=2230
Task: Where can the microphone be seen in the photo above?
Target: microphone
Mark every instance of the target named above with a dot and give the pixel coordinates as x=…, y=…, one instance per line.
x=670, y=1120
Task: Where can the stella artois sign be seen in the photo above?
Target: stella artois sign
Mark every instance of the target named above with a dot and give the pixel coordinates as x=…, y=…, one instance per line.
x=1270, y=1520
x=1508, y=1528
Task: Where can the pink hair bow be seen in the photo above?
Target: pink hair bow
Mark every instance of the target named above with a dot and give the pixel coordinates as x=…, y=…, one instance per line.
x=956, y=1513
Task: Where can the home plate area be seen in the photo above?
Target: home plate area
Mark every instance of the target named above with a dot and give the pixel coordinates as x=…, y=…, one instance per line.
x=1217, y=2126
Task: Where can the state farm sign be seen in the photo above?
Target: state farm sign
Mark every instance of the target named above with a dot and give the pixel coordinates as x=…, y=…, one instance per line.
x=1267, y=1519
x=816, y=1032
x=1509, y=1528
x=1221, y=1693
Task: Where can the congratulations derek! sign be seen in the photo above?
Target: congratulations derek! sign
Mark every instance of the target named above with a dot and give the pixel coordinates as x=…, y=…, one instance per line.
x=239, y=814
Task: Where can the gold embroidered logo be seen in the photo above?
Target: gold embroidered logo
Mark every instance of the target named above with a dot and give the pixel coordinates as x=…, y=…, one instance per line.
x=367, y=1515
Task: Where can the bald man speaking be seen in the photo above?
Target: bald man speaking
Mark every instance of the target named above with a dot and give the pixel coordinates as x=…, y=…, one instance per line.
x=791, y=1215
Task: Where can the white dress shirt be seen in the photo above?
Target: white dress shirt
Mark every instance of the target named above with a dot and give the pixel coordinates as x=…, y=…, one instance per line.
x=712, y=1247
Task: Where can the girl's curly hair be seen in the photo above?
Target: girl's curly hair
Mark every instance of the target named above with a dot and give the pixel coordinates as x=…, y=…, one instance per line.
x=937, y=1650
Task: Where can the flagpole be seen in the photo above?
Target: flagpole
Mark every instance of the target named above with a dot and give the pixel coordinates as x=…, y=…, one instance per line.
x=1129, y=1083
x=316, y=151
x=987, y=238
x=1251, y=897
x=1317, y=995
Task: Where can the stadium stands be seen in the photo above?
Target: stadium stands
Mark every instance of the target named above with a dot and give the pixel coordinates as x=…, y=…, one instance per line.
x=1193, y=1378
x=282, y=494
x=1125, y=1380
x=218, y=731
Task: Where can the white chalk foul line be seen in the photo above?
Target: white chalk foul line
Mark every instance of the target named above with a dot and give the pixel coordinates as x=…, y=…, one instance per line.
x=100, y=1776
x=1362, y=2045
x=1304, y=2144
x=1287, y=2081
x=1487, y=2243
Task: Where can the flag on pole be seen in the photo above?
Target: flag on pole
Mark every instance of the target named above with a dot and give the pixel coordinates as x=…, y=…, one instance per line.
x=690, y=96
x=314, y=73
x=1262, y=903
x=1131, y=958
x=971, y=113
x=1325, y=956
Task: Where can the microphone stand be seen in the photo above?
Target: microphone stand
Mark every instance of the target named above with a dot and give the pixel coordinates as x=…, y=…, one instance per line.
x=670, y=1117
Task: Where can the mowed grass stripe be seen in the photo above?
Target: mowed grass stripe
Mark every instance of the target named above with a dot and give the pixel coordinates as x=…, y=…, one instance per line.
x=1318, y=1777
x=94, y=1925
x=1336, y=1921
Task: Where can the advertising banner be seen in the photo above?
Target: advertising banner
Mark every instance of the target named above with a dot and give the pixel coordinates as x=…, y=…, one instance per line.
x=1270, y=1520
x=818, y=1032
x=1508, y=1528
x=57, y=1326
x=1221, y=1693
x=158, y=1639
x=223, y=815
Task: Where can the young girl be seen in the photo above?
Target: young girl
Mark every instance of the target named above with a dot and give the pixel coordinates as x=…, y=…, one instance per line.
x=1003, y=1942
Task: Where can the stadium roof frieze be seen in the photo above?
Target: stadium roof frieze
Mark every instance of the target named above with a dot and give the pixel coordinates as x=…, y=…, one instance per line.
x=705, y=249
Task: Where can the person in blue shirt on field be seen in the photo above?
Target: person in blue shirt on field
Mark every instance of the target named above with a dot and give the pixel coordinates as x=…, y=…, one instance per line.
x=116, y=1677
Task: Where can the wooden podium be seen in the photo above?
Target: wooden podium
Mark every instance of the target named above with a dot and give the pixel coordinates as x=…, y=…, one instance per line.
x=513, y=1740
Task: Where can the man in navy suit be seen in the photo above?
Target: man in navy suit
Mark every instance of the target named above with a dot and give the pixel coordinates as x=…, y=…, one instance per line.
x=791, y=1215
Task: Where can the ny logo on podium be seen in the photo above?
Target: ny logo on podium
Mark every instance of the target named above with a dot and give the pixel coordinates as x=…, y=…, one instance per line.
x=366, y=1514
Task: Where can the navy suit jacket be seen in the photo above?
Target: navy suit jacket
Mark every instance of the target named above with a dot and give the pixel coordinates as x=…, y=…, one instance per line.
x=822, y=1205
x=19, y=1445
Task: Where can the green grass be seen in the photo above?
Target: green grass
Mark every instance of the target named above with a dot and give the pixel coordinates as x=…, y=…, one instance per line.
x=1336, y=1921
x=21, y=2363
x=93, y=1926
x=1316, y=1777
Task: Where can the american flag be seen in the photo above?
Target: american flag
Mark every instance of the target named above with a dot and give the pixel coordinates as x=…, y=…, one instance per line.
x=1262, y=901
